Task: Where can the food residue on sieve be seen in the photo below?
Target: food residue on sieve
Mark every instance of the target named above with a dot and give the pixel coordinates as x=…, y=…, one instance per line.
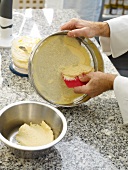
x=73, y=71
x=71, y=74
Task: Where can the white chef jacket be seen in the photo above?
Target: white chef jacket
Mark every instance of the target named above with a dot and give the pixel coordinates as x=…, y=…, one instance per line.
x=117, y=45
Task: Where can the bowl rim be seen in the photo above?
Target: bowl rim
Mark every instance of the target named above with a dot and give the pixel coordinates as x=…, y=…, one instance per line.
x=35, y=148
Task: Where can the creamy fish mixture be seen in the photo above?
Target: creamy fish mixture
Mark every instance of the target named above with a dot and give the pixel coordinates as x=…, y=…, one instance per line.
x=34, y=134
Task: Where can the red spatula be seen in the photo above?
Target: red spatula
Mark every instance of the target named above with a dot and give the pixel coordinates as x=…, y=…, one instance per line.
x=73, y=82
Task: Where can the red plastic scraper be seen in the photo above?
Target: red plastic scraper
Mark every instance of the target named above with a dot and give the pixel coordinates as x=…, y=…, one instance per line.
x=72, y=82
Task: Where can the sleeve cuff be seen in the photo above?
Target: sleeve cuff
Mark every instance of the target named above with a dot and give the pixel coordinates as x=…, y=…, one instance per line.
x=117, y=43
x=121, y=93
x=105, y=45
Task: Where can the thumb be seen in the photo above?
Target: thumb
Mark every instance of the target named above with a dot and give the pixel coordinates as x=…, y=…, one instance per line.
x=84, y=78
x=70, y=25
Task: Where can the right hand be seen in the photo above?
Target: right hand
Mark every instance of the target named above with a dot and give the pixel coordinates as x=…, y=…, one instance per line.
x=96, y=83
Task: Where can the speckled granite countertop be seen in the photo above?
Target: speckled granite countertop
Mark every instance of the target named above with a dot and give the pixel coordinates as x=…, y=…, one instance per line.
x=95, y=139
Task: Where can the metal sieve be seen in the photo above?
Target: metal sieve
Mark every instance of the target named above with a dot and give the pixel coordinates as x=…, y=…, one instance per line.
x=42, y=61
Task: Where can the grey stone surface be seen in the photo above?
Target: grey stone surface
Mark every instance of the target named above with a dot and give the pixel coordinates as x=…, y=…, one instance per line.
x=95, y=139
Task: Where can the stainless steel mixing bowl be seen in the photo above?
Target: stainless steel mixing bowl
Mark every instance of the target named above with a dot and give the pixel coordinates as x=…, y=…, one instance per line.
x=16, y=114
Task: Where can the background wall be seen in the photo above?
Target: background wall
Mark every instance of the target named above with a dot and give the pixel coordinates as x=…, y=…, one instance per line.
x=87, y=9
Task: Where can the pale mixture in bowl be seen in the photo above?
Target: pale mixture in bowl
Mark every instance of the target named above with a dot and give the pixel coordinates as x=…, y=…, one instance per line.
x=35, y=134
x=21, y=49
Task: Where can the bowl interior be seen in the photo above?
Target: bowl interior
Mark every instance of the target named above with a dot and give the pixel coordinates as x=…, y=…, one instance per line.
x=15, y=116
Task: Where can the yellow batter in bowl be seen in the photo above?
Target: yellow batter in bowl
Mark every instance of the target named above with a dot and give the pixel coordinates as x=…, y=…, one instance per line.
x=21, y=49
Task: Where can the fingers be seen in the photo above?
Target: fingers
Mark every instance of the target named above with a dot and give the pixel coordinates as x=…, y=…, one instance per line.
x=82, y=32
x=79, y=28
x=82, y=89
x=79, y=90
x=89, y=88
x=69, y=25
x=84, y=78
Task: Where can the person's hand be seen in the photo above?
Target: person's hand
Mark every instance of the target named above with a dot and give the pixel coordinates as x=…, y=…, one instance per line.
x=97, y=83
x=83, y=28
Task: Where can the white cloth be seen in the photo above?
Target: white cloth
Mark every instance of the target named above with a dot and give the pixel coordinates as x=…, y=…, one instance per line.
x=117, y=45
x=87, y=9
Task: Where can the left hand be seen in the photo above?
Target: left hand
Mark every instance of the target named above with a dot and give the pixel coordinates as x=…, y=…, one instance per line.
x=88, y=29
